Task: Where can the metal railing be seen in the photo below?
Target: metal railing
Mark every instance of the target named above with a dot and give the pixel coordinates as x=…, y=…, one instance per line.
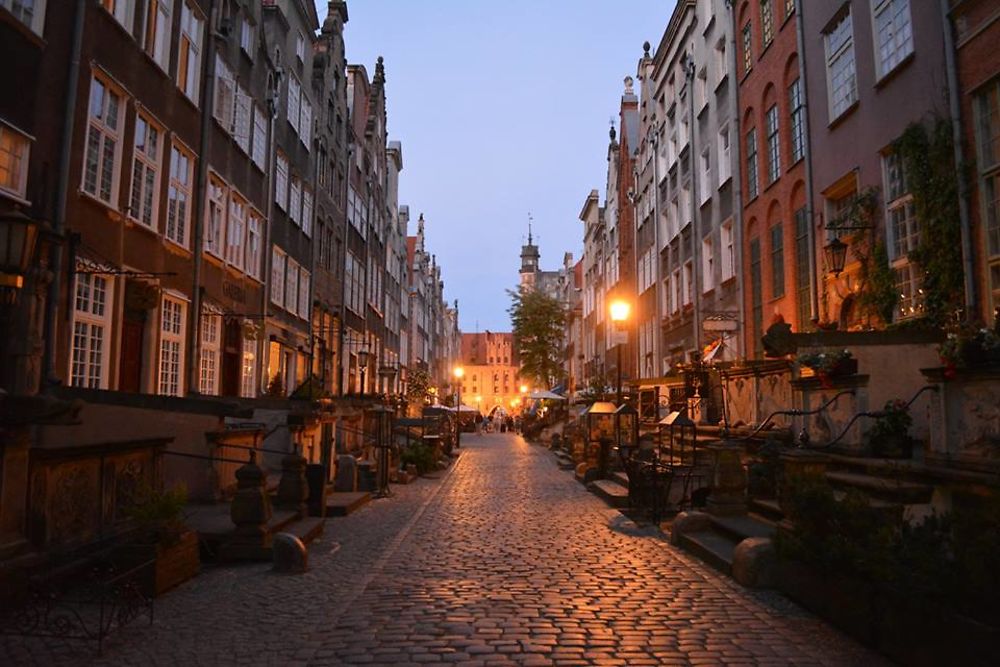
x=797, y=413
x=875, y=414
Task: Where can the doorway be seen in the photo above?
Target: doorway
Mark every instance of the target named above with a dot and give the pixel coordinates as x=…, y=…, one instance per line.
x=130, y=361
x=232, y=354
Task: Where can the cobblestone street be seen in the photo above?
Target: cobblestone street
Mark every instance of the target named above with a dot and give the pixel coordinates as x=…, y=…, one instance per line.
x=502, y=559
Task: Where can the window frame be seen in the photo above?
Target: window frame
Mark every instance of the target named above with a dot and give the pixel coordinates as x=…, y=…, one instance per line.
x=101, y=126
x=91, y=319
x=175, y=185
x=164, y=382
x=833, y=56
x=22, y=161
x=898, y=57
x=142, y=159
x=189, y=80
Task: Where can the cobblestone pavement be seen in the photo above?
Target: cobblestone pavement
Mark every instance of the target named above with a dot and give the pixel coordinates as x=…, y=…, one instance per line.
x=503, y=559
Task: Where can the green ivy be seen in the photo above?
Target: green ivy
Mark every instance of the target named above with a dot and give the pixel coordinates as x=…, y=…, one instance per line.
x=880, y=296
x=927, y=154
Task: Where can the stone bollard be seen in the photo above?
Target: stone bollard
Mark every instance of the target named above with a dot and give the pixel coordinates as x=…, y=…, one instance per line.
x=754, y=562
x=729, y=480
x=289, y=554
x=688, y=522
x=293, y=489
x=250, y=511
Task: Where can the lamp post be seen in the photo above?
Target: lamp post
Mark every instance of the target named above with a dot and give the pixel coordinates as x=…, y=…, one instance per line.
x=363, y=355
x=619, y=314
x=459, y=372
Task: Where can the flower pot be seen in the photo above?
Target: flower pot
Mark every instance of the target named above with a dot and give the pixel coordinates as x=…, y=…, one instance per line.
x=893, y=446
x=173, y=564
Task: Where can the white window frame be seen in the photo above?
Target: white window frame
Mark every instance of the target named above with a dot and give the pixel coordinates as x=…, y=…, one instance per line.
x=248, y=368
x=35, y=21
x=217, y=198
x=170, y=375
x=236, y=229
x=294, y=102
x=89, y=363
x=177, y=228
x=304, y=294
x=752, y=166
x=773, y=127
x=705, y=176
x=122, y=10
x=259, y=149
x=300, y=47
x=208, y=366
x=728, y=251
x=291, y=285
x=224, y=106
x=145, y=162
x=707, y=264
x=841, y=56
x=247, y=37
x=305, y=122
x=242, y=119
x=105, y=132
x=278, y=259
x=281, y=181
x=159, y=22
x=307, y=211
x=295, y=201
x=254, y=245
x=15, y=154
x=892, y=34
x=725, y=155
x=189, y=52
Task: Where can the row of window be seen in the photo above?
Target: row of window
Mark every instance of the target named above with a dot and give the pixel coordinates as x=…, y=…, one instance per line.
x=292, y=196
x=773, y=140
x=290, y=284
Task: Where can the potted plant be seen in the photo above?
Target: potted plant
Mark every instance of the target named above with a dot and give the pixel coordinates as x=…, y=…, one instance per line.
x=828, y=364
x=970, y=347
x=162, y=537
x=889, y=436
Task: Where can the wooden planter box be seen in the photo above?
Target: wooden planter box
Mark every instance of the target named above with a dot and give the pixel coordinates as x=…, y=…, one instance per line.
x=173, y=565
x=907, y=628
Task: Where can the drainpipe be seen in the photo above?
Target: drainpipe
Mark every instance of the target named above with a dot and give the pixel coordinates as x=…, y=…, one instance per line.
x=695, y=234
x=657, y=323
x=807, y=150
x=62, y=191
x=262, y=345
x=968, y=257
x=200, y=187
x=737, y=181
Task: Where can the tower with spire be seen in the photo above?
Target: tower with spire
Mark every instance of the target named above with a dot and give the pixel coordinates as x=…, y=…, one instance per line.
x=529, y=256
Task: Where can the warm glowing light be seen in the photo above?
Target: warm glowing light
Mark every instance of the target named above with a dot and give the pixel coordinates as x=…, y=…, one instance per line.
x=524, y=389
x=479, y=399
x=620, y=310
x=459, y=371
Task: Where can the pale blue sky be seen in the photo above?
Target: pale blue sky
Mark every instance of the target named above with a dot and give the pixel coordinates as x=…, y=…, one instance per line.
x=502, y=108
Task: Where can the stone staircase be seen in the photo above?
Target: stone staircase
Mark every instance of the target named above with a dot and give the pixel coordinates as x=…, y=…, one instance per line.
x=221, y=541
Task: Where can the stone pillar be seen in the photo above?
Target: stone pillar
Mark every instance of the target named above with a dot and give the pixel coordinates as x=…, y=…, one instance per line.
x=729, y=480
x=293, y=490
x=250, y=511
x=798, y=465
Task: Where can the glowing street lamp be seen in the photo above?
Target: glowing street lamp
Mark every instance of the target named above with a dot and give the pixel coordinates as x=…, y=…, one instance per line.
x=619, y=315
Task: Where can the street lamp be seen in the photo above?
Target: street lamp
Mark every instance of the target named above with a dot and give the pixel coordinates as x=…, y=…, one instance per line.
x=836, y=255
x=18, y=234
x=363, y=355
x=619, y=314
x=459, y=372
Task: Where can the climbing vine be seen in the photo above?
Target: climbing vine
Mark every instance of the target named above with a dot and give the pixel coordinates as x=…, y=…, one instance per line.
x=880, y=294
x=927, y=155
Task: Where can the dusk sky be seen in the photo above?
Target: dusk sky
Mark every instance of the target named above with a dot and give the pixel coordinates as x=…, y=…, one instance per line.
x=503, y=109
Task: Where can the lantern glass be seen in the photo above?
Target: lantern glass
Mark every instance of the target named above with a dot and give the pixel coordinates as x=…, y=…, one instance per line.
x=18, y=234
x=836, y=255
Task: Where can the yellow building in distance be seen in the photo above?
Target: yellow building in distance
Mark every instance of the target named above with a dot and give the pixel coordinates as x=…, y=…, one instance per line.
x=491, y=368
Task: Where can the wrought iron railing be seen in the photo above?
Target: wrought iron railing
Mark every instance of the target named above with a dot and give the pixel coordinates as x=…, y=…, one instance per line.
x=875, y=414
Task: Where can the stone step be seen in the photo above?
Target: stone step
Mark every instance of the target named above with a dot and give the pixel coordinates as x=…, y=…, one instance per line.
x=883, y=488
x=342, y=503
x=767, y=508
x=611, y=492
x=307, y=529
x=738, y=528
x=711, y=547
x=620, y=477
